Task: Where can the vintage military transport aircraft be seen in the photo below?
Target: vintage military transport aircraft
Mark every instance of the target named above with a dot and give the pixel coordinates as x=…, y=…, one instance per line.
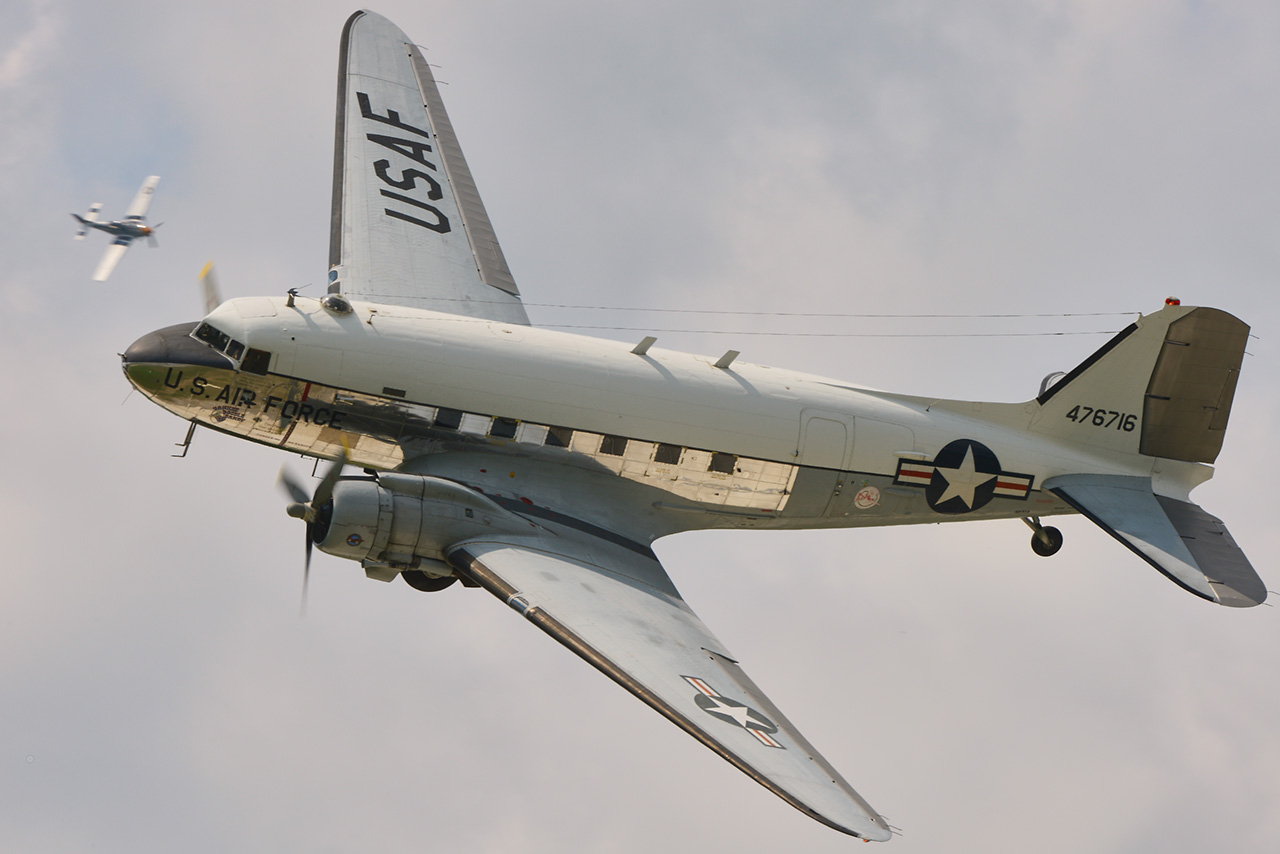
x=133, y=226
x=541, y=466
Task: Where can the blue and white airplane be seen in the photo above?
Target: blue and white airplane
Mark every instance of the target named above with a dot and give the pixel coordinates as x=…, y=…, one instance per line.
x=125, y=231
x=541, y=466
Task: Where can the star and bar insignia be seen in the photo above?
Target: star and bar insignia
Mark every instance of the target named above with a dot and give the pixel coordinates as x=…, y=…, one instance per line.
x=733, y=712
x=964, y=476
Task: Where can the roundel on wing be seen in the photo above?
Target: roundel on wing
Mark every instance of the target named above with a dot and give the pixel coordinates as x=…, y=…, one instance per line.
x=733, y=712
x=965, y=476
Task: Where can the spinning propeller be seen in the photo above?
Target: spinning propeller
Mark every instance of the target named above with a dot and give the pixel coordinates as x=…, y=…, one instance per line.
x=316, y=510
x=209, y=286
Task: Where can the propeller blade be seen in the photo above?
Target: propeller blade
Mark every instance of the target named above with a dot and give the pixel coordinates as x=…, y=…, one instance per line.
x=325, y=490
x=209, y=284
x=305, y=507
x=293, y=487
x=306, y=575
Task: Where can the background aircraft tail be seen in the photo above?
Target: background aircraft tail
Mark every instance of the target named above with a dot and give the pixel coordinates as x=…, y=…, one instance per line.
x=90, y=216
x=1161, y=388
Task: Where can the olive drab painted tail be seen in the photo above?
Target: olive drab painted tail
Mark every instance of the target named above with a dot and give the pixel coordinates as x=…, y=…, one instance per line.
x=1162, y=387
x=1160, y=391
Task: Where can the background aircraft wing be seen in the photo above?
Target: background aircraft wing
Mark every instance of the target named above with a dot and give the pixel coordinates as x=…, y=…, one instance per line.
x=611, y=602
x=142, y=202
x=111, y=258
x=408, y=227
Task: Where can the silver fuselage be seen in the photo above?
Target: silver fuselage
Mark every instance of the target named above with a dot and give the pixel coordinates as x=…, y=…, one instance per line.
x=131, y=228
x=678, y=442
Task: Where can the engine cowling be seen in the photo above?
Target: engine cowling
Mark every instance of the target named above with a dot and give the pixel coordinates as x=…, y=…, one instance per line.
x=401, y=521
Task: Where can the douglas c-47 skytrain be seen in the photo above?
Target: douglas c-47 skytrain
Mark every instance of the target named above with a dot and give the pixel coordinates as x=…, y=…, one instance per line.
x=541, y=466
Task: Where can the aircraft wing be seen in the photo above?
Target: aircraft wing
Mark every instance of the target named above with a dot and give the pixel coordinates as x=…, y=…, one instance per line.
x=142, y=202
x=407, y=227
x=111, y=258
x=611, y=602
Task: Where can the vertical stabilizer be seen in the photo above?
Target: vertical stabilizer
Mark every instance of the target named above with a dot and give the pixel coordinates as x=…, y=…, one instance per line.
x=1163, y=387
x=1189, y=397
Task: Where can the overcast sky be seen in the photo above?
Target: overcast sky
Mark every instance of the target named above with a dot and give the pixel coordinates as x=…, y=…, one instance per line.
x=1090, y=157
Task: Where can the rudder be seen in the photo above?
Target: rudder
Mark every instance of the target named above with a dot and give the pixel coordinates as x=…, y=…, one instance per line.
x=1162, y=387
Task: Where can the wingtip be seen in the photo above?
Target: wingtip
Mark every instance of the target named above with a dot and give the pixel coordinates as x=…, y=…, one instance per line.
x=1232, y=597
x=871, y=828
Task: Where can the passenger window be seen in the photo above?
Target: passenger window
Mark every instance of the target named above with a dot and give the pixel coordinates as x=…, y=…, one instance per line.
x=723, y=463
x=504, y=428
x=559, y=437
x=614, y=446
x=669, y=454
x=448, y=419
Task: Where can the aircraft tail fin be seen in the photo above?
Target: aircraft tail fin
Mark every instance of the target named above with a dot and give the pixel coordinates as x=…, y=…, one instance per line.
x=90, y=216
x=1154, y=400
x=1188, y=545
x=1163, y=387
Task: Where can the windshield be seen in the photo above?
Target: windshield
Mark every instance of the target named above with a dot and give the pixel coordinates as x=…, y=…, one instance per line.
x=219, y=340
x=211, y=335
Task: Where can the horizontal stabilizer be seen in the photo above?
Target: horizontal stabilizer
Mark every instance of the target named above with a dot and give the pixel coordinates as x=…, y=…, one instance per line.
x=91, y=215
x=1191, y=547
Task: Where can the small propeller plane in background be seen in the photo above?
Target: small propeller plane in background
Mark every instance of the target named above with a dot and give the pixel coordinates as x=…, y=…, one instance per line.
x=133, y=226
x=541, y=466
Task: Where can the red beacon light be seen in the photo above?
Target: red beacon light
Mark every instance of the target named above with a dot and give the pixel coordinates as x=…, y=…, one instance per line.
x=1172, y=301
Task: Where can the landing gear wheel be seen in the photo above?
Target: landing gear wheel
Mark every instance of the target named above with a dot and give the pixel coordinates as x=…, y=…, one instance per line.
x=419, y=580
x=1046, y=549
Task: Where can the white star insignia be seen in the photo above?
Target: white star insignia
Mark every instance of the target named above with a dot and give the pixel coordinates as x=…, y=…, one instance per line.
x=962, y=481
x=738, y=713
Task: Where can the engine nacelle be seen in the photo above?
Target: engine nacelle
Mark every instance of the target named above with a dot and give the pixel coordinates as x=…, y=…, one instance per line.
x=402, y=520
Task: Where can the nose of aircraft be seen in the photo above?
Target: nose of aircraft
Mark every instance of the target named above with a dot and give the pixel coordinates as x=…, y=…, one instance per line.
x=172, y=345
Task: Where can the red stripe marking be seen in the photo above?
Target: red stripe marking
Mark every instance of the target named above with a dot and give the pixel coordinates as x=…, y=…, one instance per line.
x=703, y=687
x=764, y=737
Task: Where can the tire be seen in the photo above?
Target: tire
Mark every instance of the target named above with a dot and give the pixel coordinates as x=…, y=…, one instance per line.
x=1050, y=548
x=419, y=580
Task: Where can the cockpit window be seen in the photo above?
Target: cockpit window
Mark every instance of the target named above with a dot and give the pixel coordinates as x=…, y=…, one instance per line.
x=219, y=340
x=214, y=337
x=256, y=362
